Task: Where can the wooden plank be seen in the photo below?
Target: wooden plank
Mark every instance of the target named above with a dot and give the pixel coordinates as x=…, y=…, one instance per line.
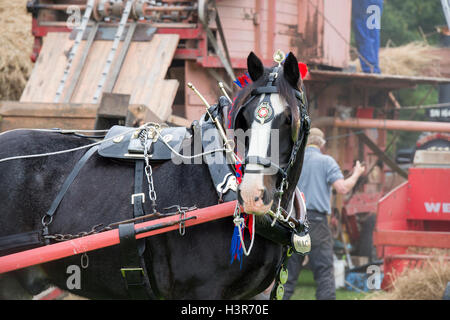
x=162, y=99
x=79, y=66
x=43, y=109
x=242, y=35
x=146, y=65
x=16, y=114
x=287, y=8
x=234, y=24
x=46, y=115
x=168, y=96
x=135, y=68
x=179, y=121
x=91, y=73
x=150, y=116
x=163, y=58
x=48, y=70
x=117, y=63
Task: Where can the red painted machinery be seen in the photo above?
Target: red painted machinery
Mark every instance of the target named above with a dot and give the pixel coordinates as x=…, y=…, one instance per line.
x=416, y=214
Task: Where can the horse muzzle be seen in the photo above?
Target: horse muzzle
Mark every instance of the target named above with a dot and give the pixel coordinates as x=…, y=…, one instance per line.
x=254, y=200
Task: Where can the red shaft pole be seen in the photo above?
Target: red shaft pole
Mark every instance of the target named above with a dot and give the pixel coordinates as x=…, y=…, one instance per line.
x=106, y=239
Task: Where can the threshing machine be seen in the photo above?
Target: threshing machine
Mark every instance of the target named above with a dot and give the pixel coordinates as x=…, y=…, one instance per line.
x=415, y=217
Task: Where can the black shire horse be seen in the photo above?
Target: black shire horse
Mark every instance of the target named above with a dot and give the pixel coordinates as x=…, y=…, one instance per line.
x=194, y=266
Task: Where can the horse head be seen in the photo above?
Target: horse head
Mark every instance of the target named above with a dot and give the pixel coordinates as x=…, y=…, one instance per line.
x=268, y=120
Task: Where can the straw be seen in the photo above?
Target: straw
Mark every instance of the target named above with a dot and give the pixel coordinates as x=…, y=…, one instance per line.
x=16, y=42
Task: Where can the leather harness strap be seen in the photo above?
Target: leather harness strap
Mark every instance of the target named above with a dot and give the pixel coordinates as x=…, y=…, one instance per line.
x=20, y=241
x=139, y=284
x=133, y=268
x=138, y=198
x=132, y=251
x=70, y=178
x=67, y=183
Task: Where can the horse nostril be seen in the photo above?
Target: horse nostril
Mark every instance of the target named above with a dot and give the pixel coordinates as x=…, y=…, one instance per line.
x=265, y=197
x=261, y=195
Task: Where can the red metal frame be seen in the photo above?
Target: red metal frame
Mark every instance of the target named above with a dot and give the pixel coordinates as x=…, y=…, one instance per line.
x=108, y=238
x=363, y=202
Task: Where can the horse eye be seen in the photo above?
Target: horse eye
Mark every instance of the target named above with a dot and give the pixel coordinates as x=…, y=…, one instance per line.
x=289, y=119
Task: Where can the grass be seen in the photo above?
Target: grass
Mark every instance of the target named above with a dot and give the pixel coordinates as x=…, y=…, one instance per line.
x=306, y=289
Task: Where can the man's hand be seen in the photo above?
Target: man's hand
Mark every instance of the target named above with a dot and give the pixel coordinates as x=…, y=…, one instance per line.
x=344, y=186
x=359, y=169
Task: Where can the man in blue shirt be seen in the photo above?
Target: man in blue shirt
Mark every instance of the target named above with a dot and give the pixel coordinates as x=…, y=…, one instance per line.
x=319, y=174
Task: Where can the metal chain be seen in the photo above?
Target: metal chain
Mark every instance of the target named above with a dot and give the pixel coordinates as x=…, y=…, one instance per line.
x=148, y=168
x=64, y=237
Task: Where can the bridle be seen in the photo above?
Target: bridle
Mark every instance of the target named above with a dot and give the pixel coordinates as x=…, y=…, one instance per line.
x=299, y=134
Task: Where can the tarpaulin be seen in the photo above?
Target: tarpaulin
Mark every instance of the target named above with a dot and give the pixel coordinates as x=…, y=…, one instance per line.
x=366, y=15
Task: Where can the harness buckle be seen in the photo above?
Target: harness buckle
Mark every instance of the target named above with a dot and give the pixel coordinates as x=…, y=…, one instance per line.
x=135, y=195
x=125, y=270
x=273, y=75
x=133, y=276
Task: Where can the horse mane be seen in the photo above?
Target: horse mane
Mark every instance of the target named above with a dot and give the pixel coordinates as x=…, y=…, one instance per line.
x=284, y=87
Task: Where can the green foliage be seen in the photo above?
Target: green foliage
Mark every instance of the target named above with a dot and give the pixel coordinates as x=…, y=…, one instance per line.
x=306, y=289
x=401, y=19
x=413, y=97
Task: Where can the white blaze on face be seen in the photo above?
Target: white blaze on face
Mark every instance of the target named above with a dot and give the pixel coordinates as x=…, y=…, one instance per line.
x=252, y=185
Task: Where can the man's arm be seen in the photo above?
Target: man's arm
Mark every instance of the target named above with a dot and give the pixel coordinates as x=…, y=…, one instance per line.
x=343, y=186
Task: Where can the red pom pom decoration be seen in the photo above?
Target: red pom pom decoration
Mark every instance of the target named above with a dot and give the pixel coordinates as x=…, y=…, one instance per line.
x=303, y=68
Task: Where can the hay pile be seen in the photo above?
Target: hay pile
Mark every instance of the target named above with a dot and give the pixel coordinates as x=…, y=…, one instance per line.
x=412, y=59
x=16, y=43
x=426, y=283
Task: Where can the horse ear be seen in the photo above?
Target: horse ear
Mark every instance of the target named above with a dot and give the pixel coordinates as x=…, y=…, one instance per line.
x=290, y=70
x=254, y=66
